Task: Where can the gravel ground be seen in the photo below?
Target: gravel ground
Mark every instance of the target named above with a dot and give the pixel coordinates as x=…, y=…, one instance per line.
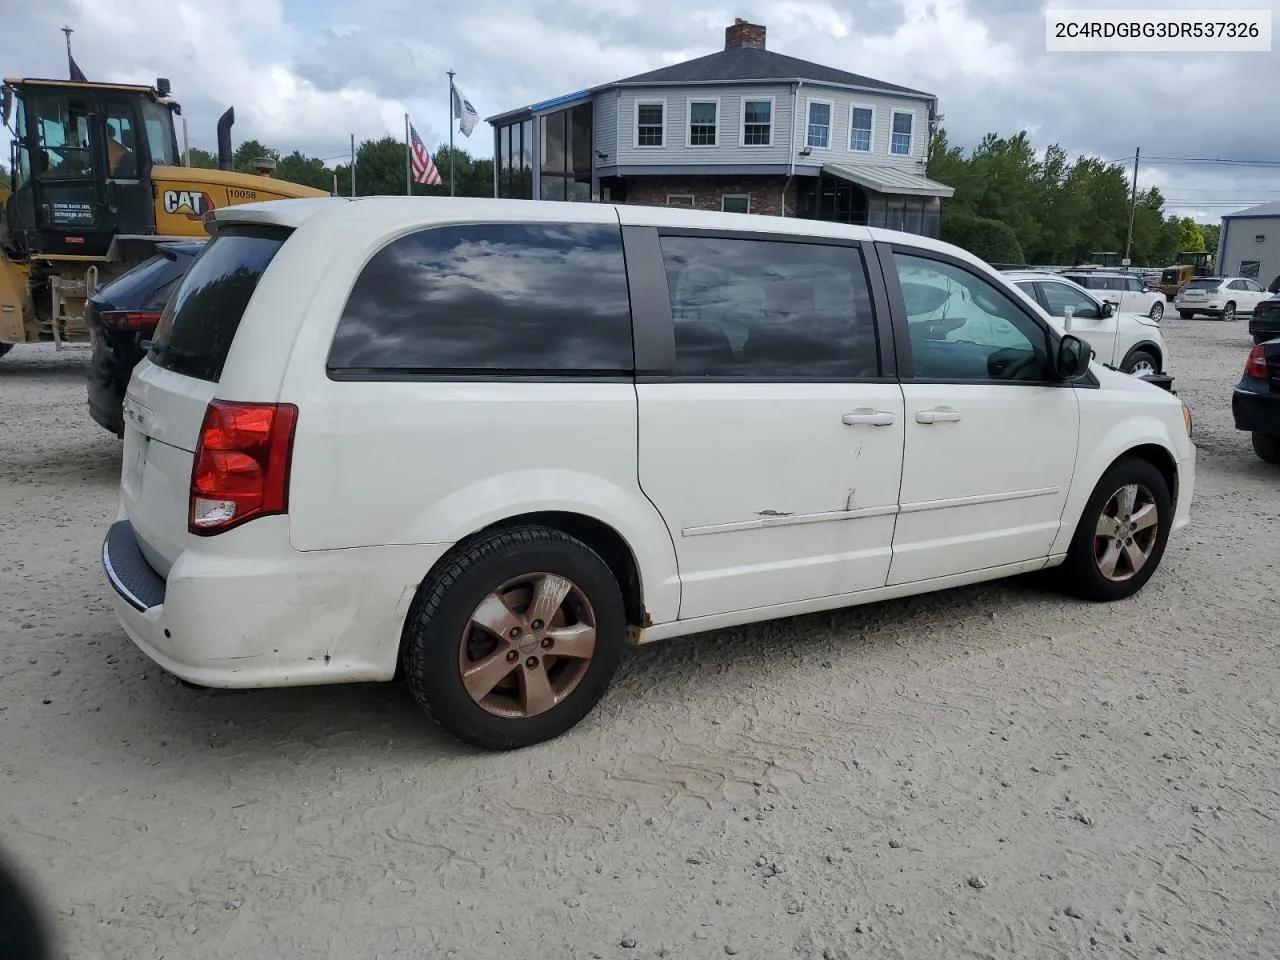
x=990, y=772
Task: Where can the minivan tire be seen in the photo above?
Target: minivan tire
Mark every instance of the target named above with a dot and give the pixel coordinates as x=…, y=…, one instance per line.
x=440, y=623
x=1082, y=572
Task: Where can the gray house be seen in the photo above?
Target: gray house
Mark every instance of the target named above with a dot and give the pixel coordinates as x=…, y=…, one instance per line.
x=1249, y=244
x=744, y=130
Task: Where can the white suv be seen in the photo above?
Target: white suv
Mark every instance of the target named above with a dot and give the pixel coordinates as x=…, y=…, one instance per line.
x=1124, y=291
x=1130, y=342
x=1221, y=297
x=484, y=443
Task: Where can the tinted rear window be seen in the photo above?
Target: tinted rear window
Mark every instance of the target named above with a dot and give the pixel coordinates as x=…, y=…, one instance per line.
x=129, y=287
x=496, y=298
x=1203, y=285
x=199, y=323
x=769, y=310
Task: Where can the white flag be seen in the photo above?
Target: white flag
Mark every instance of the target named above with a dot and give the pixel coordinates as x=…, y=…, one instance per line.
x=464, y=113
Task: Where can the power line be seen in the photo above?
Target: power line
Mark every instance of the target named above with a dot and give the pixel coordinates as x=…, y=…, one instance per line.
x=1215, y=160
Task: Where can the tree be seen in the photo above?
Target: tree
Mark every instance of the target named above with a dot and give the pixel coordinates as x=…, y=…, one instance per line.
x=203, y=159
x=5, y=183
x=249, y=151
x=1212, y=232
x=994, y=241
x=309, y=171
x=1190, y=238
x=1060, y=209
x=380, y=170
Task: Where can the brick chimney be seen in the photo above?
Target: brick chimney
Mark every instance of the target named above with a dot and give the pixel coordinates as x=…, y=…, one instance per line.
x=743, y=34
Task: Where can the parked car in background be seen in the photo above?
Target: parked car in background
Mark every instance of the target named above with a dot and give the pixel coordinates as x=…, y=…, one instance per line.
x=1130, y=342
x=121, y=317
x=1264, y=325
x=1124, y=291
x=485, y=443
x=1255, y=404
x=1221, y=297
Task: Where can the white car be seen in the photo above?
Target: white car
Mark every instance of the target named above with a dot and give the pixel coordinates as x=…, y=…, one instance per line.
x=1130, y=342
x=1221, y=297
x=483, y=444
x=1124, y=291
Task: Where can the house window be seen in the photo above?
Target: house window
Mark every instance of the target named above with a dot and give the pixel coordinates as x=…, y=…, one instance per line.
x=703, y=117
x=736, y=203
x=1250, y=268
x=900, y=141
x=862, y=121
x=757, y=123
x=680, y=200
x=819, y=124
x=649, y=123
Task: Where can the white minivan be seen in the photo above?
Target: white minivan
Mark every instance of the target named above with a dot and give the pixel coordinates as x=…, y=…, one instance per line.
x=483, y=444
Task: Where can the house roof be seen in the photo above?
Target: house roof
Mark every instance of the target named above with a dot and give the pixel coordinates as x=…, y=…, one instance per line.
x=741, y=64
x=1271, y=209
x=889, y=180
x=733, y=65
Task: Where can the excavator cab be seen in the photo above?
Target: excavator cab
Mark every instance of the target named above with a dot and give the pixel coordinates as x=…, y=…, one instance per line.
x=82, y=160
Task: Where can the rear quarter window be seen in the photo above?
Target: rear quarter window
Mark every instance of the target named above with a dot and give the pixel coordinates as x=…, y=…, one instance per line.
x=200, y=321
x=497, y=298
x=132, y=287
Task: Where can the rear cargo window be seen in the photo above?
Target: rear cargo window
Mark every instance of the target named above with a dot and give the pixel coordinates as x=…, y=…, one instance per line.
x=1203, y=285
x=490, y=299
x=199, y=323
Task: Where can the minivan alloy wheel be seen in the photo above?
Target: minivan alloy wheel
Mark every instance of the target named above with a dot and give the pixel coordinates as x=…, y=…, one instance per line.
x=1126, y=533
x=527, y=645
x=1157, y=311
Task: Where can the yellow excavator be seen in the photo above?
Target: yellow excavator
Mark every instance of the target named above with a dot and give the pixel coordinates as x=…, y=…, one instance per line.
x=97, y=182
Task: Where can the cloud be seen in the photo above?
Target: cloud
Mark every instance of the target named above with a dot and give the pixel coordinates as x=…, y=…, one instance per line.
x=307, y=75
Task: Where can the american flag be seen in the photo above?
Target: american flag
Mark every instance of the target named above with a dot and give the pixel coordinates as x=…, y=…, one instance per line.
x=424, y=171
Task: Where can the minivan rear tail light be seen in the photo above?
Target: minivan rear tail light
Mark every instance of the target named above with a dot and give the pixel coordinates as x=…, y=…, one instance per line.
x=132, y=320
x=241, y=465
x=1256, y=365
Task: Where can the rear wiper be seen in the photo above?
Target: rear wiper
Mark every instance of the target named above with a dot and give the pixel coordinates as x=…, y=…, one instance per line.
x=164, y=349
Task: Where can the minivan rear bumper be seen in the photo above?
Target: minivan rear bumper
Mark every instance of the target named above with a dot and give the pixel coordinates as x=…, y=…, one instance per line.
x=237, y=610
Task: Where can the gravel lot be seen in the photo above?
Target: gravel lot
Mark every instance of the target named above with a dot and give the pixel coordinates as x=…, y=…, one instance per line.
x=991, y=772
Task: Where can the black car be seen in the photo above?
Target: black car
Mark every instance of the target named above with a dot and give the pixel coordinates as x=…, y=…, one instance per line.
x=121, y=316
x=1264, y=325
x=1256, y=401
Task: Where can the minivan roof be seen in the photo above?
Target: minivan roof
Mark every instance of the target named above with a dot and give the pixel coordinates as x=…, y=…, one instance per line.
x=392, y=214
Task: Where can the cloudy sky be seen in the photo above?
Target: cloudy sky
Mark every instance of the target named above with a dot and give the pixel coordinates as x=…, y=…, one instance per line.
x=305, y=74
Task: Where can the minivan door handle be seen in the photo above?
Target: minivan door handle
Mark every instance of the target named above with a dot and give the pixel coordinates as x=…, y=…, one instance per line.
x=876, y=418
x=938, y=415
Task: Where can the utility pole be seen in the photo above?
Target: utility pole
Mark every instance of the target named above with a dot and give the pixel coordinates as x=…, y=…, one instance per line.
x=451, y=133
x=353, y=165
x=1133, y=205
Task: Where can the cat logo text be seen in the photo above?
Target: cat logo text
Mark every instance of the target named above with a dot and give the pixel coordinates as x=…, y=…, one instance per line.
x=191, y=203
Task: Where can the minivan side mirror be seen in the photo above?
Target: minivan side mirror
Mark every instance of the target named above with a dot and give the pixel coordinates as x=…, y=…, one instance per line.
x=1072, y=359
x=1107, y=309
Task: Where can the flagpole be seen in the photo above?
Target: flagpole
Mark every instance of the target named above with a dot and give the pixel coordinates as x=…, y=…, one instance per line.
x=451, y=133
x=408, y=161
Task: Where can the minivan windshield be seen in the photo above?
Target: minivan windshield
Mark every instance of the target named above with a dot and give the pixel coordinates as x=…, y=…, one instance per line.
x=199, y=323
